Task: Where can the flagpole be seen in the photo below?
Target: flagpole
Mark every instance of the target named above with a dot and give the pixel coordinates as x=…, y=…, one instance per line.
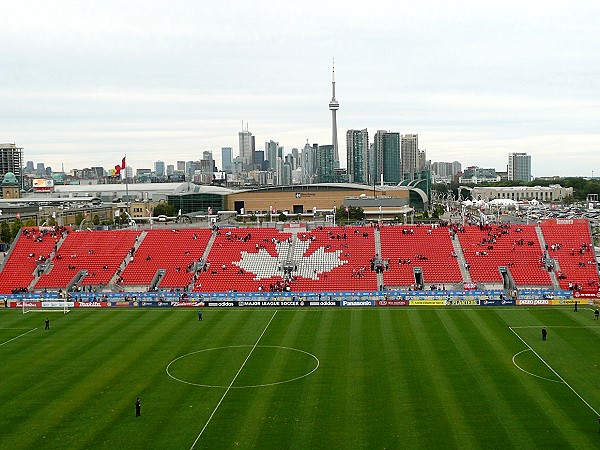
x=126, y=184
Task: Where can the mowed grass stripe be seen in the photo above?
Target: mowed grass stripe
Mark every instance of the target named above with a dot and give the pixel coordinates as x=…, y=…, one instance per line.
x=435, y=349
x=406, y=420
x=313, y=402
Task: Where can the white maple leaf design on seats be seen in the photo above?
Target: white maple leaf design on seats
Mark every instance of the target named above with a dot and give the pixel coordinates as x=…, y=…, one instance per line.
x=263, y=265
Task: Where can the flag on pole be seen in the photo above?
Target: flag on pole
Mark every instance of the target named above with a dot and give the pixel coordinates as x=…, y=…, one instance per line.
x=118, y=168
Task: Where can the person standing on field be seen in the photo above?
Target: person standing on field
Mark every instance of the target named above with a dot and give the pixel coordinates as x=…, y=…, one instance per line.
x=596, y=314
x=200, y=315
x=544, y=333
x=47, y=322
x=138, y=408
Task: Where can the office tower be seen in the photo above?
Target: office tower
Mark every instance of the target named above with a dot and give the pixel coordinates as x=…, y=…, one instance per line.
x=271, y=148
x=170, y=170
x=309, y=163
x=294, y=158
x=40, y=169
x=286, y=175
x=159, y=168
x=519, y=167
x=207, y=155
x=180, y=166
x=357, y=156
x=247, y=143
x=259, y=159
x=226, y=159
x=386, y=157
x=409, y=154
x=334, y=106
x=29, y=167
x=325, y=163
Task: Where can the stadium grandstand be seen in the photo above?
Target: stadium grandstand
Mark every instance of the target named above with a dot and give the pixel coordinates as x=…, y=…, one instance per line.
x=554, y=255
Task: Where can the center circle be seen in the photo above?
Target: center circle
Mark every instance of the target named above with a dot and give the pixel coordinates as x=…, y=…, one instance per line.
x=207, y=367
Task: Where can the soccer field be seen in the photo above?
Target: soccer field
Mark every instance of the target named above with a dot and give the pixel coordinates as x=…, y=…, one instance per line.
x=300, y=378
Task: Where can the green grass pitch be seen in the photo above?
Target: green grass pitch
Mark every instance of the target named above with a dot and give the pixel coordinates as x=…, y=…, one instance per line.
x=414, y=378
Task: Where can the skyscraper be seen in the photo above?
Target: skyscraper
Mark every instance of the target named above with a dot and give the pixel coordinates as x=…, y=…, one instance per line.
x=386, y=154
x=309, y=163
x=226, y=160
x=159, y=168
x=246, y=141
x=519, y=167
x=271, y=153
x=334, y=106
x=357, y=156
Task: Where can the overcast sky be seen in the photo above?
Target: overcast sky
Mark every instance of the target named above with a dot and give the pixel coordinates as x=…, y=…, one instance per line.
x=83, y=83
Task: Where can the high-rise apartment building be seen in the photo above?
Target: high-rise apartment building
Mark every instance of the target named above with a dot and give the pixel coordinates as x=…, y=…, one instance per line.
x=357, y=156
x=386, y=154
x=409, y=153
x=325, y=163
x=519, y=167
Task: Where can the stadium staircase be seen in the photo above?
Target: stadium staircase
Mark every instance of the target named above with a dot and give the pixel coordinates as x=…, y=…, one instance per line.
x=380, y=279
x=201, y=265
x=460, y=257
x=114, y=282
x=544, y=246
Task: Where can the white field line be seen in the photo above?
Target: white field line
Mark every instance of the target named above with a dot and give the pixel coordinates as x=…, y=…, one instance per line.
x=17, y=337
x=554, y=371
x=232, y=381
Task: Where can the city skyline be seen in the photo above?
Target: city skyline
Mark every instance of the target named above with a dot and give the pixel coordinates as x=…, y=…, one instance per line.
x=90, y=83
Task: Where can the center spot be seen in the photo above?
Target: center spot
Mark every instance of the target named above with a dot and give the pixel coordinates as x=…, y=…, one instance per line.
x=267, y=365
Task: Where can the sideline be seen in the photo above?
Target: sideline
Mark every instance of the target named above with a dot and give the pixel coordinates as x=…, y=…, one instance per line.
x=233, y=381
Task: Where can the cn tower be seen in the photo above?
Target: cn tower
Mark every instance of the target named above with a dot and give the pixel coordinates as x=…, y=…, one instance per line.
x=334, y=106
